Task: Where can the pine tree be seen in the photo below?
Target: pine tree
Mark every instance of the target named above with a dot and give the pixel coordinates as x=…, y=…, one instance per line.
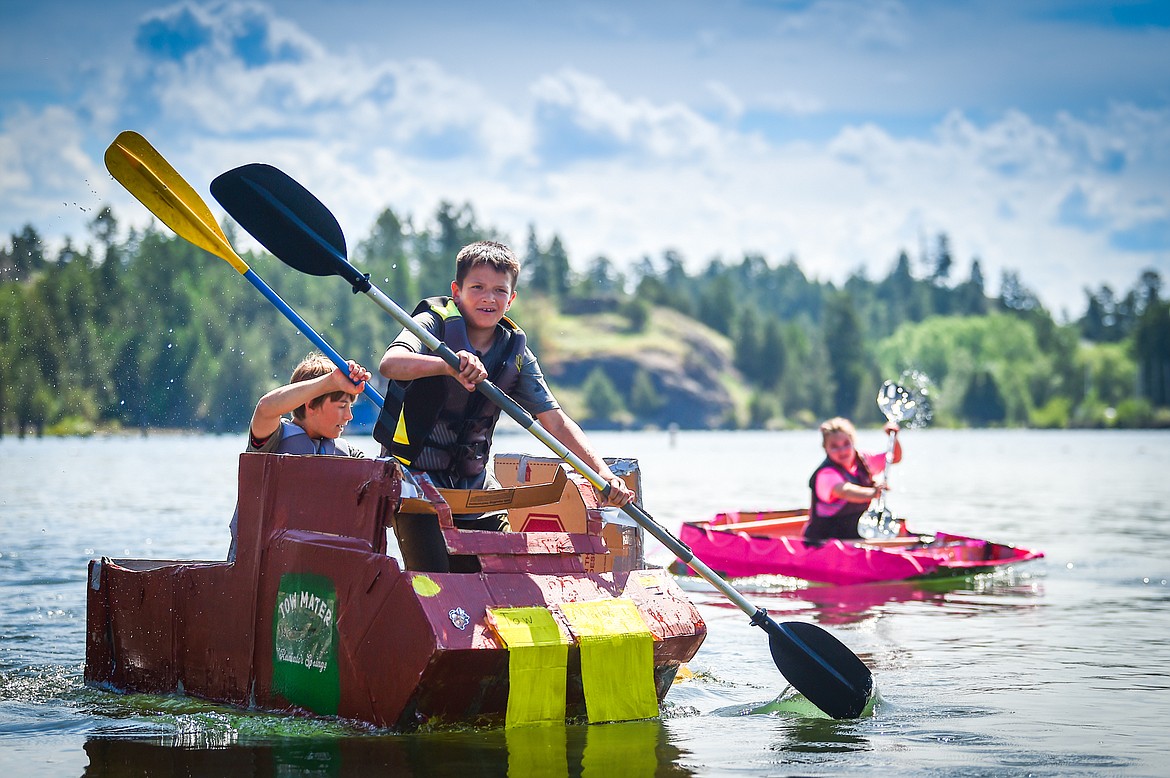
x=644, y=398
x=602, y=401
x=560, y=273
x=847, y=360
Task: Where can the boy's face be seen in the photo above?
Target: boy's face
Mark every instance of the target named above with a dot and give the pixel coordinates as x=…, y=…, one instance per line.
x=328, y=419
x=485, y=296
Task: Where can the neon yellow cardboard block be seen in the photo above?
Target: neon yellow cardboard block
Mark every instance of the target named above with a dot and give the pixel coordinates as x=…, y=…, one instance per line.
x=617, y=659
x=538, y=658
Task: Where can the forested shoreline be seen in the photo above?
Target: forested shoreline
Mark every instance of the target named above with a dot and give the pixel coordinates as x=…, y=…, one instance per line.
x=144, y=330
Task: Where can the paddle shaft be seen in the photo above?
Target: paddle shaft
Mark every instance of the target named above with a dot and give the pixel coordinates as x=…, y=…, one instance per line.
x=759, y=616
x=886, y=470
x=526, y=420
x=309, y=333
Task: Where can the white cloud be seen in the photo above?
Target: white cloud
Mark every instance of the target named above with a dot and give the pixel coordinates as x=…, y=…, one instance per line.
x=613, y=170
x=45, y=177
x=730, y=103
x=663, y=131
x=866, y=22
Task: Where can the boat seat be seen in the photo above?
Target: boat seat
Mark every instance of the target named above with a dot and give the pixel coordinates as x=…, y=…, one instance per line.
x=530, y=552
x=747, y=526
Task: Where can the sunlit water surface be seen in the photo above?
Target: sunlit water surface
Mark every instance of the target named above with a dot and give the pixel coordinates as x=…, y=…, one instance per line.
x=1058, y=667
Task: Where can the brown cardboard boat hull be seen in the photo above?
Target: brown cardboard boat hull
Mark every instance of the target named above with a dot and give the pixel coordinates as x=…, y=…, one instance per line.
x=314, y=616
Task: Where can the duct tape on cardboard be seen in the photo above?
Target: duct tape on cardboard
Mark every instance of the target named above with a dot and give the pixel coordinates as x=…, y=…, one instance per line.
x=538, y=656
x=617, y=659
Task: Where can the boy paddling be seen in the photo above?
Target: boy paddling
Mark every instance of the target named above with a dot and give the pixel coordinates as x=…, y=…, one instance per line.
x=436, y=423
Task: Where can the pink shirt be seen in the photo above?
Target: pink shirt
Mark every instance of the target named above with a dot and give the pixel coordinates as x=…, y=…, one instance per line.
x=830, y=477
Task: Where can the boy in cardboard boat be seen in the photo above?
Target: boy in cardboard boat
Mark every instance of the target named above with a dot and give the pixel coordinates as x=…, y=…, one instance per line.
x=435, y=423
x=320, y=397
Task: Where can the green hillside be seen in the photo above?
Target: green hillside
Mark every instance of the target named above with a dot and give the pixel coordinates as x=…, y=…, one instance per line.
x=684, y=368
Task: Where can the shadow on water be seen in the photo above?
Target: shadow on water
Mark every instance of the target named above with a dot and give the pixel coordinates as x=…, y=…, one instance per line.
x=638, y=749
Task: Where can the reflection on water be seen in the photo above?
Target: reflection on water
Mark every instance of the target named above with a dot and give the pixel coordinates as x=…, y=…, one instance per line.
x=635, y=749
x=1004, y=588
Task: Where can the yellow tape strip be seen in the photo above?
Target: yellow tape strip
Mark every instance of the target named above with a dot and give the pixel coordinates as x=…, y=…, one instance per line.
x=617, y=659
x=538, y=657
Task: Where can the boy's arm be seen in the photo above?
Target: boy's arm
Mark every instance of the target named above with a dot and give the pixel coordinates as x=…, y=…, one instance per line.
x=564, y=429
x=285, y=399
x=399, y=363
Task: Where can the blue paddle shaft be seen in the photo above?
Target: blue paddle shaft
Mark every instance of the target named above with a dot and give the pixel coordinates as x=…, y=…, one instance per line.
x=309, y=332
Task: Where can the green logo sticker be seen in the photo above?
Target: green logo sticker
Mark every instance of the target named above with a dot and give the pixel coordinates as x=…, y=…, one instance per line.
x=304, y=643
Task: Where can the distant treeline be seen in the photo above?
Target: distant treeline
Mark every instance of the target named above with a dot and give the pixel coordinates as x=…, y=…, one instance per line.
x=148, y=331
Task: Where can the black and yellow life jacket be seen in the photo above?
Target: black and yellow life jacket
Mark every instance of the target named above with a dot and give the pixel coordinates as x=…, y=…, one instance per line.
x=434, y=424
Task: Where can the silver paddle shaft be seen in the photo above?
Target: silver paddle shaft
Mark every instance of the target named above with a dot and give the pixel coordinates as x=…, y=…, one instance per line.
x=525, y=419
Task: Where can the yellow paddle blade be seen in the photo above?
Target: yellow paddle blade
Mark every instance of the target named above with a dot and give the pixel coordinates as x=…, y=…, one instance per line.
x=150, y=178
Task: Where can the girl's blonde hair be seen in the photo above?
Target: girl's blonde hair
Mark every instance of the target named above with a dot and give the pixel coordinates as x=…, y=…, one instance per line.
x=838, y=424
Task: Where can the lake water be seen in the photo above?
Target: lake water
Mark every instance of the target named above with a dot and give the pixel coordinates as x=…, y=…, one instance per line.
x=1058, y=668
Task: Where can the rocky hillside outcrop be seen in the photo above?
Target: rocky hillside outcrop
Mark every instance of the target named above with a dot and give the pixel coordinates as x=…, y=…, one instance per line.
x=689, y=365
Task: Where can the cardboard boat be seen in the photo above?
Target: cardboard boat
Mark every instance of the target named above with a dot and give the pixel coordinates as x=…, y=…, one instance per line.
x=313, y=615
x=744, y=544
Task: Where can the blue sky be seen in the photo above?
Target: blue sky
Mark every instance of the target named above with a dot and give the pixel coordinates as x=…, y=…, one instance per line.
x=1035, y=134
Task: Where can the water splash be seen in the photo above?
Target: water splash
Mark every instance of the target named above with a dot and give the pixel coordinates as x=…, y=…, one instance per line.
x=790, y=704
x=920, y=390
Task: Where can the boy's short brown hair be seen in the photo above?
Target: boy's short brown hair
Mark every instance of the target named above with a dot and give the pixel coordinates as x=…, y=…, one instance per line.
x=313, y=366
x=490, y=253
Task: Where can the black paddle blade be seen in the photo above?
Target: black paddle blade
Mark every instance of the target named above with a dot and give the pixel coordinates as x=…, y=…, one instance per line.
x=286, y=218
x=819, y=666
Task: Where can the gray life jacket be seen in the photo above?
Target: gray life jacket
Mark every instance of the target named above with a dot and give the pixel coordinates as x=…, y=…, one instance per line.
x=294, y=440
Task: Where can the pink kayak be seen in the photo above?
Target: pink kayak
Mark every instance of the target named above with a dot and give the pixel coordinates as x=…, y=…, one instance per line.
x=744, y=544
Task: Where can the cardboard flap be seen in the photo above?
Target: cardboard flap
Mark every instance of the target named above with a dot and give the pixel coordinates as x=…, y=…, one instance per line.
x=483, y=500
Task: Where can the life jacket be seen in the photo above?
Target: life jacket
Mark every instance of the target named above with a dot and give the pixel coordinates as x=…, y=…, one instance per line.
x=434, y=424
x=843, y=523
x=294, y=440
